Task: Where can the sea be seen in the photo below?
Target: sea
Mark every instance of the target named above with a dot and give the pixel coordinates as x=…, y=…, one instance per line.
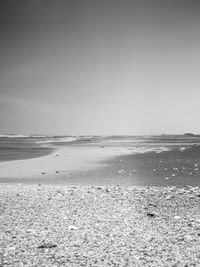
x=17, y=147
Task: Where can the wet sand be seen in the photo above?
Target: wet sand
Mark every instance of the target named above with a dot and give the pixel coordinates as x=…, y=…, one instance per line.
x=104, y=161
x=64, y=165
x=176, y=167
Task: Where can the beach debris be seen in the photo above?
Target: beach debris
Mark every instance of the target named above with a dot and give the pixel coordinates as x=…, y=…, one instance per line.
x=59, y=193
x=167, y=178
x=154, y=170
x=121, y=171
x=72, y=227
x=196, y=169
x=169, y=197
x=173, y=174
x=152, y=204
x=30, y=231
x=47, y=245
x=150, y=214
x=165, y=169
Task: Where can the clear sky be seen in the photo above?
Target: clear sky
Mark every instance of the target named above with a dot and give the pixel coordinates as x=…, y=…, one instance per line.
x=99, y=66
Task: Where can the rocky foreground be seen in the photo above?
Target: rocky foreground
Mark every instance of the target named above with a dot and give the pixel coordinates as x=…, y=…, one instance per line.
x=44, y=225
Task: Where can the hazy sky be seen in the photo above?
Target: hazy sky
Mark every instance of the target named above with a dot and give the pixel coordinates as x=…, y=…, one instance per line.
x=99, y=66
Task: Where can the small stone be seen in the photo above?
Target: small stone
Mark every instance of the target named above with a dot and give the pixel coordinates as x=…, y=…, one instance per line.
x=188, y=238
x=11, y=248
x=150, y=214
x=169, y=197
x=167, y=178
x=47, y=245
x=152, y=204
x=72, y=227
x=30, y=231
x=173, y=174
x=177, y=217
x=197, y=220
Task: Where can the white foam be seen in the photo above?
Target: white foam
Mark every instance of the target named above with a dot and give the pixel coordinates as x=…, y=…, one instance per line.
x=57, y=140
x=14, y=135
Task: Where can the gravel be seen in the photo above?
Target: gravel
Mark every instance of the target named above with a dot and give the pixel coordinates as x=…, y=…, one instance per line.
x=50, y=225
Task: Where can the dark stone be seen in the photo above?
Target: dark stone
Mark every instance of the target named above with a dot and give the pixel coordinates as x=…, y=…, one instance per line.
x=150, y=214
x=47, y=245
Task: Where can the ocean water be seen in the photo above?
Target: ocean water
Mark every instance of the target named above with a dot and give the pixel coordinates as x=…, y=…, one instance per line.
x=16, y=147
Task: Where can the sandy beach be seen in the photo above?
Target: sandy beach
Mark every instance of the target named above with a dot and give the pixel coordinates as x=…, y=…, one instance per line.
x=61, y=163
x=51, y=225
x=95, y=204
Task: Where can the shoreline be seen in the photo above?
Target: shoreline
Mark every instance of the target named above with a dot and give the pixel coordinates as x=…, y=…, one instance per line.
x=59, y=164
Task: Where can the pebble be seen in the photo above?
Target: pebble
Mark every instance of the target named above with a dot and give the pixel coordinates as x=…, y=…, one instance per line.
x=150, y=214
x=47, y=245
x=99, y=228
x=188, y=238
x=177, y=217
x=72, y=227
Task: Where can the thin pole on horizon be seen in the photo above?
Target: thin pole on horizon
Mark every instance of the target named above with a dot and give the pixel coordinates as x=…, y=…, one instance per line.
x=151, y=132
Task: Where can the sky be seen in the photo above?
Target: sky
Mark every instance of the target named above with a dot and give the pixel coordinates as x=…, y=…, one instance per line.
x=99, y=66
